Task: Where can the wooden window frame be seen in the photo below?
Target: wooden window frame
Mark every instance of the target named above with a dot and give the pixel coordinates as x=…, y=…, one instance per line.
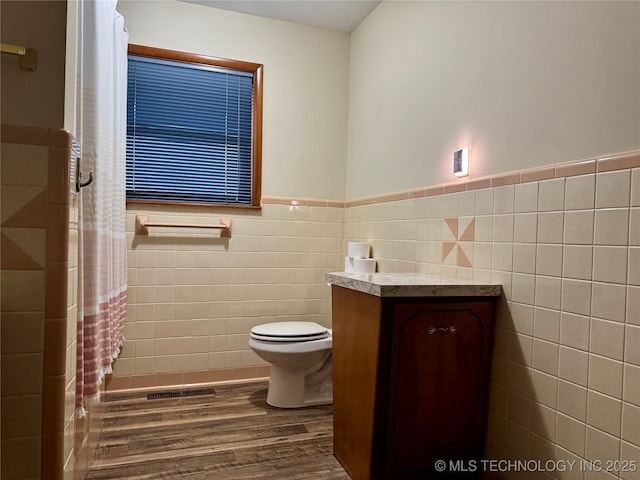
x=256, y=148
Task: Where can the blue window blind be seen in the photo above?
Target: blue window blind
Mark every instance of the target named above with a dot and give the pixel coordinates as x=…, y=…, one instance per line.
x=189, y=132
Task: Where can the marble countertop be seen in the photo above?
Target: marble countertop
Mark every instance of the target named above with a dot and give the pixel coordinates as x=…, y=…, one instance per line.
x=412, y=285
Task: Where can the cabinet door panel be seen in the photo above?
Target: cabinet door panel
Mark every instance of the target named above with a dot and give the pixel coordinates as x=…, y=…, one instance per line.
x=436, y=386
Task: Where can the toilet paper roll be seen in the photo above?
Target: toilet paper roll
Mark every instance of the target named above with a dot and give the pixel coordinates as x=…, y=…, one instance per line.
x=364, y=265
x=358, y=250
x=348, y=264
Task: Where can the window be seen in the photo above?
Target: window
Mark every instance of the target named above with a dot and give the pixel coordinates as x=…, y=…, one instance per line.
x=194, y=129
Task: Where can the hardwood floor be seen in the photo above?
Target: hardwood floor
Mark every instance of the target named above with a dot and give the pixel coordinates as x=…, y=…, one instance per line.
x=233, y=434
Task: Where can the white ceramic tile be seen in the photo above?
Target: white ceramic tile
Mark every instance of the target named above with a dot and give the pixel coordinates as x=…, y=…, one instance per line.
x=502, y=256
x=607, y=338
x=548, y=292
x=523, y=288
x=610, y=264
x=525, y=228
x=551, y=195
x=549, y=260
x=633, y=305
x=571, y=434
x=482, y=253
x=521, y=348
x=503, y=228
x=517, y=438
x=573, y=365
x=504, y=199
x=632, y=345
x=631, y=424
x=608, y=301
x=604, y=412
x=611, y=226
x=572, y=400
x=601, y=446
x=484, y=201
x=524, y=258
x=526, y=197
x=545, y=356
x=576, y=296
x=580, y=192
x=545, y=388
x=522, y=317
x=579, y=227
x=634, y=226
x=547, y=324
x=550, y=226
x=605, y=376
x=577, y=262
x=543, y=421
x=466, y=203
x=612, y=189
x=631, y=389
x=574, y=331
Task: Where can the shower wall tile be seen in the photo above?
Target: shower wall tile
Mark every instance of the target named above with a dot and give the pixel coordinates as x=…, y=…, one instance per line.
x=37, y=240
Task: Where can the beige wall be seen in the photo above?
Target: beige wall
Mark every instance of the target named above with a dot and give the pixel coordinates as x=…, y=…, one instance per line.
x=34, y=98
x=565, y=244
x=305, y=85
x=523, y=84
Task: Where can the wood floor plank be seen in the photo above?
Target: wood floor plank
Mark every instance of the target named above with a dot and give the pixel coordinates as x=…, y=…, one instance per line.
x=233, y=434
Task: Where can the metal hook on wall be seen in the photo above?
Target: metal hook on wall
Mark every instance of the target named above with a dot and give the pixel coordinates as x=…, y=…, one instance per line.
x=82, y=184
x=79, y=176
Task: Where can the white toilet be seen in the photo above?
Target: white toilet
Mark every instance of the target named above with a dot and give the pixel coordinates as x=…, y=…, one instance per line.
x=300, y=358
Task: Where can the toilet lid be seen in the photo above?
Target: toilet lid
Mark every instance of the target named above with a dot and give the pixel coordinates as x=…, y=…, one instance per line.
x=289, y=332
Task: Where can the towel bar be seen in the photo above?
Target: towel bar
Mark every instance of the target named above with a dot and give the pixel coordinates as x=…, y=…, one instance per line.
x=28, y=56
x=142, y=224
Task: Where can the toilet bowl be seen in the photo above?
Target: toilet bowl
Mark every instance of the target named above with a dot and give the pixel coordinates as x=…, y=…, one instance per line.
x=300, y=358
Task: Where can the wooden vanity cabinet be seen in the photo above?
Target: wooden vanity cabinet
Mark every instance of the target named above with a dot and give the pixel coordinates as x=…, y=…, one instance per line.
x=410, y=382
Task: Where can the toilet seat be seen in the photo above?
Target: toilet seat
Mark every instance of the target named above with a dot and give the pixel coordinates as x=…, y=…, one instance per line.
x=289, y=332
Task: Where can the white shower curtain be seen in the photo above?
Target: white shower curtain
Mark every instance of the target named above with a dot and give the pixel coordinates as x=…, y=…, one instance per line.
x=101, y=120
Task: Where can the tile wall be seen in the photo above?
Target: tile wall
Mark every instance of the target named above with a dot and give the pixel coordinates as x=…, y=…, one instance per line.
x=193, y=296
x=564, y=241
x=38, y=301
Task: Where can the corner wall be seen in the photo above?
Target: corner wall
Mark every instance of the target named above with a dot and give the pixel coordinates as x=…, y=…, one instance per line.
x=564, y=241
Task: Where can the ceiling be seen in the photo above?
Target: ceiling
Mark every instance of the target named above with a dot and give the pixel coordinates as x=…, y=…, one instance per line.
x=342, y=15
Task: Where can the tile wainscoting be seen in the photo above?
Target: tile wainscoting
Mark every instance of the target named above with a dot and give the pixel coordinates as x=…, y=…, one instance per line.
x=565, y=243
x=563, y=240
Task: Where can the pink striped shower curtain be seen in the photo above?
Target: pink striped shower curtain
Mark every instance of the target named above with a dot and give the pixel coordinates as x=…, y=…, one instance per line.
x=101, y=121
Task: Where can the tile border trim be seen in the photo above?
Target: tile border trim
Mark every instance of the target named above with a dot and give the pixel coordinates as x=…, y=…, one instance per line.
x=609, y=163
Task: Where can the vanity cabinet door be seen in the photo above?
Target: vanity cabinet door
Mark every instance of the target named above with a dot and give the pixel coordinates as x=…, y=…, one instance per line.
x=437, y=389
